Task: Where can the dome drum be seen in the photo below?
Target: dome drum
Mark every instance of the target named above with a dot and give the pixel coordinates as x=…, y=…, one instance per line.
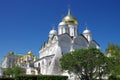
x=62, y=24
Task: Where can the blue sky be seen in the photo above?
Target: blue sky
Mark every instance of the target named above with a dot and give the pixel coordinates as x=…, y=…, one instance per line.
x=25, y=24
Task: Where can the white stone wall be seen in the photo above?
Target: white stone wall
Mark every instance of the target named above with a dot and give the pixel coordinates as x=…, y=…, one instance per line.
x=72, y=30
x=4, y=63
x=48, y=59
x=0, y=71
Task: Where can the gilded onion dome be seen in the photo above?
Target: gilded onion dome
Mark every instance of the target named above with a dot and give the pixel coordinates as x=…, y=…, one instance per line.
x=30, y=53
x=70, y=19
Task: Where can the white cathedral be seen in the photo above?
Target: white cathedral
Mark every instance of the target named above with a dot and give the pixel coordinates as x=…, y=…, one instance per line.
x=67, y=39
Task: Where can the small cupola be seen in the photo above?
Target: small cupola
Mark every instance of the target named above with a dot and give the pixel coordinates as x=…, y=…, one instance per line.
x=87, y=34
x=52, y=33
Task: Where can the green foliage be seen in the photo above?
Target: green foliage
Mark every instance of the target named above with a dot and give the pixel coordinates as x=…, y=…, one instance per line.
x=114, y=78
x=51, y=77
x=113, y=49
x=40, y=77
x=88, y=64
x=114, y=63
x=11, y=72
x=114, y=66
x=8, y=72
x=37, y=77
x=17, y=70
x=7, y=79
x=26, y=77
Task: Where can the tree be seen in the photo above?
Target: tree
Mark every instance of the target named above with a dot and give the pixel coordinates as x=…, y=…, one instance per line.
x=8, y=72
x=87, y=64
x=114, y=51
x=14, y=71
x=18, y=70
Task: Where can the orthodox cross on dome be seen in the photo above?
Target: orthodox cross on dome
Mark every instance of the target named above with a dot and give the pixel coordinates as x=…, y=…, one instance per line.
x=86, y=25
x=86, y=30
x=53, y=26
x=69, y=10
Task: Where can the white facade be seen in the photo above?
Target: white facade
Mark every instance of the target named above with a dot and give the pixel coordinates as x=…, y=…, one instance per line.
x=9, y=60
x=26, y=62
x=67, y=39
x=0, y=71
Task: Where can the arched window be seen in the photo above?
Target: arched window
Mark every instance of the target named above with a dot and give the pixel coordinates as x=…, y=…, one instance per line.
x=39, y=68
x=38, y=64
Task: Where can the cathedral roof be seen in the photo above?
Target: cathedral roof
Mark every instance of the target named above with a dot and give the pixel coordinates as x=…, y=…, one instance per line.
x=70, y=19
x=95, y=43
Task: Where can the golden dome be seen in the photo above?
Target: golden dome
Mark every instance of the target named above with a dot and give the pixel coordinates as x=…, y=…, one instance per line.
x=70, y=19
x=30, y=53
